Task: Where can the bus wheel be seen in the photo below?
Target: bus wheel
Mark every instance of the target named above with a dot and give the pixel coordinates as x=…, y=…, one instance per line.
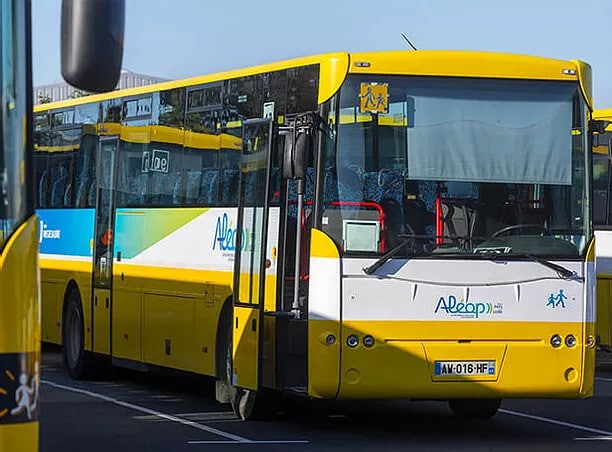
x=474, y=408
x=248, y=405
x=76, y=360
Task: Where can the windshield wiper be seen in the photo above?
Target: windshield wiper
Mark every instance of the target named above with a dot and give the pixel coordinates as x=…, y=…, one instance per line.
x=384, y=258
x=563, y=272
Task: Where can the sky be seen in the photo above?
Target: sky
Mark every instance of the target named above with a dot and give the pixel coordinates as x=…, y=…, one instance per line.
x=183, y=38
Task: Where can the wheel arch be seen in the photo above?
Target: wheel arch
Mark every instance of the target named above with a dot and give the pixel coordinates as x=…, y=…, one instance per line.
x=71, y=286
x=223, y=325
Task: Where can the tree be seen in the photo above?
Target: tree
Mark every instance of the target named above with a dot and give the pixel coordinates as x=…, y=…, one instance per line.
x=78, y=93
x=44, y=98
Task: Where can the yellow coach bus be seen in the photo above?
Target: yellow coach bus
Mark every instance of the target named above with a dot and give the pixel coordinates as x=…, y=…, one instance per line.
x=403, y=224
x=602, y=218
x=83, y=32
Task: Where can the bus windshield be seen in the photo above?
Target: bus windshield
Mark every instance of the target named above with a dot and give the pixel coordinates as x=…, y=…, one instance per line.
x=13, y=199
x=458, y=166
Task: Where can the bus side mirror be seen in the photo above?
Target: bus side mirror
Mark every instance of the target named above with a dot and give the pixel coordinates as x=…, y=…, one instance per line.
x=301, y=154
x=288, y=154
x=296, y=155
x=601, y=137
x=92, y=43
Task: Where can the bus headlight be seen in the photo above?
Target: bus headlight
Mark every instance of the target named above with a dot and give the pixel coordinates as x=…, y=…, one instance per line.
x=556, y=341
x=368, y=341
x=570, y=340
x=352, y=341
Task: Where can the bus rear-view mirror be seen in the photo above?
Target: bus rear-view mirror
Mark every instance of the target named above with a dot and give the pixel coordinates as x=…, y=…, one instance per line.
x=92, y=43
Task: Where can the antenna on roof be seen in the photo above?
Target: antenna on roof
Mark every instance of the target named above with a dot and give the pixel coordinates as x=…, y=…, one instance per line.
x=408, y=41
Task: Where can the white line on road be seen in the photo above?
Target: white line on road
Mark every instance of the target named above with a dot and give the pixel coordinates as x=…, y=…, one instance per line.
x=169, y=417
x=556, y=422
x=280, y=441
x=595, y=438
x=603, y=379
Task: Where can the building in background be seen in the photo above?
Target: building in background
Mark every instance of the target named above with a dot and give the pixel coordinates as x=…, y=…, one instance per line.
x=55, y=92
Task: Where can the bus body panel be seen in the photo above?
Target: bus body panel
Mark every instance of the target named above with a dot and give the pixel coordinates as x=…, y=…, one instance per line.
x=504, y=312
x=324, y=327
x=20, y=350
x=603, y=234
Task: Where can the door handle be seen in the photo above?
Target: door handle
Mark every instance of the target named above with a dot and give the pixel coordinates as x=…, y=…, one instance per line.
x=107, y=302
x=95, y=301
x=254, y=324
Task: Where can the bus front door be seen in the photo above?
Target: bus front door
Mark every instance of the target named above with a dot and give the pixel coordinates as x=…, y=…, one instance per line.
x=103, y=244
x=251, y=259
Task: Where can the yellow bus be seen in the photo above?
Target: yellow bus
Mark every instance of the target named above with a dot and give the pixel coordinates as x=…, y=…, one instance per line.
x=602, y=218
x=19, y=235
x=402, y=224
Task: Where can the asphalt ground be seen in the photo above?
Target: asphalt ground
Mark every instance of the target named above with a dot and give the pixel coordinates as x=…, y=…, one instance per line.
x=129, y=411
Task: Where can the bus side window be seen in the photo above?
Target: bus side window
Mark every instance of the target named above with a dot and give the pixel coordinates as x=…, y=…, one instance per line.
x=601, y=190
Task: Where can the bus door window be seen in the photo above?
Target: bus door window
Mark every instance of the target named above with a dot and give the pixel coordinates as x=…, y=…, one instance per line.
x=104, y=214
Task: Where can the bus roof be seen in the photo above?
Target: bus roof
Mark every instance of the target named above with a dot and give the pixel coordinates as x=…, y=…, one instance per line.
x=335, y=67
x=604, y=113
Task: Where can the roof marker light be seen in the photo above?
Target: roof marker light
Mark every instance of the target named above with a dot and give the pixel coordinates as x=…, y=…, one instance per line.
x=568, y=71
x=362, y=64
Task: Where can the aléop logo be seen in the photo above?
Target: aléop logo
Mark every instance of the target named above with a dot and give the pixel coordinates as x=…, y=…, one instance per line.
x=469, y=309
x=226, y=235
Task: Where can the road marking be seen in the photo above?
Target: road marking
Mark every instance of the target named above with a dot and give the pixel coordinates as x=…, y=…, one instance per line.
x=281, y=441
x=594, y=438
x=556, y=422
x=603, y=379
x=169, y=417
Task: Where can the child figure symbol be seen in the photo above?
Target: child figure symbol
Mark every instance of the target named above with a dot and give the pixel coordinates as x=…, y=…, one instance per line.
x=24, y=397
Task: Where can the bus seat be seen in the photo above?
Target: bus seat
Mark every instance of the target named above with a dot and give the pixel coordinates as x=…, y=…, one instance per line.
x=308, y=192
x=57, y=192
x=458, y=221
x=192, y=186
x=349, y=188
x=417, y=216
x=162, y=187
x=42, y=189
x=81, y=193
x=177, y=190
x=91, y=193
x=230, y=178
x=208, y=188
x=275, y=184
x=382, y=184
x=249, y=181
x=138, y=190
x=68, y=195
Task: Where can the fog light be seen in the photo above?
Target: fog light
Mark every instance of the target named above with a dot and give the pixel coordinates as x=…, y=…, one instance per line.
x=368, y=341
x=330, y=339
x=556, y=341
x=352, y=341
x=570, y=340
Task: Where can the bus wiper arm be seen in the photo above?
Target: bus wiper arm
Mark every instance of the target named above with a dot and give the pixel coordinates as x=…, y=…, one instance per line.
x=563, y=272
x=384, y=258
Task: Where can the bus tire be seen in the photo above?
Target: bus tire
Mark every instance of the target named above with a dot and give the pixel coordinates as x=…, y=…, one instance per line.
x=474, y=408
x=248, y=405
x=79, y=363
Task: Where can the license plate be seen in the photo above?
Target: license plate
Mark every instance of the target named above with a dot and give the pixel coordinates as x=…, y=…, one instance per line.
x=451, y=368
